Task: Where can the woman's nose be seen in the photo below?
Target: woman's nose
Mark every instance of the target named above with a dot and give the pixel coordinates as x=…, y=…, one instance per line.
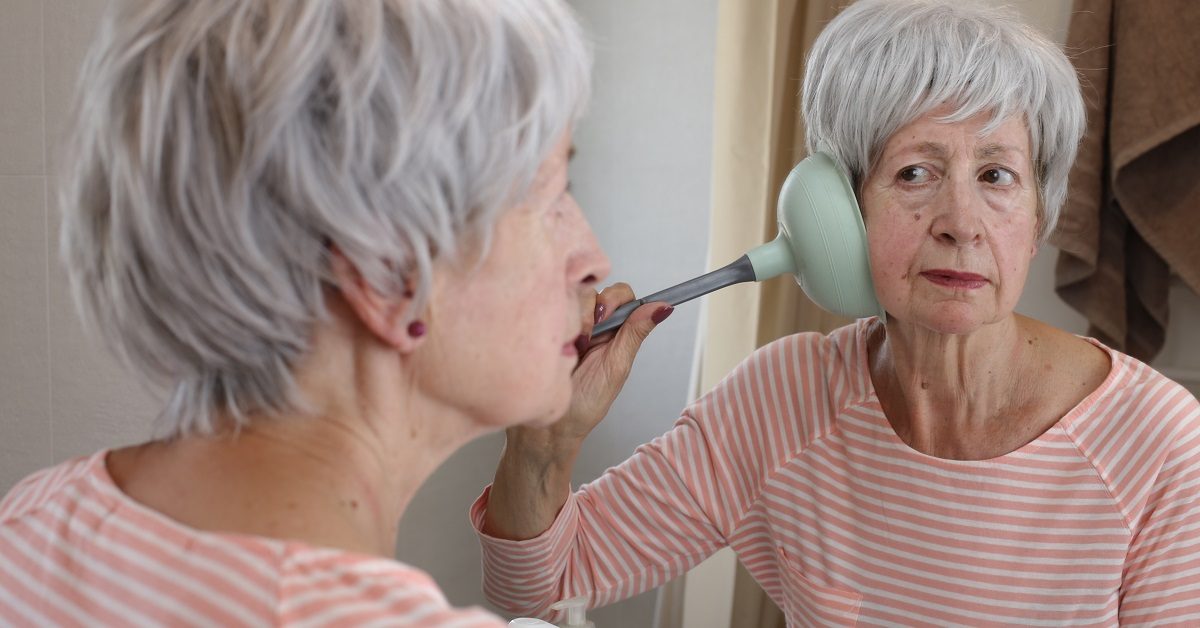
x=957, y=221
x=588, y=264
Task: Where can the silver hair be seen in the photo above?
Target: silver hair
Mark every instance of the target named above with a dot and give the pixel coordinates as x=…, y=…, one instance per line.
x=881, y=64
x=220, y=148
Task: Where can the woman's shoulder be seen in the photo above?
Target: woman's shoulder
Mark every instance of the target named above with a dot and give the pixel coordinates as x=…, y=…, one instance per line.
x=1141, y=431
x=35, y=490
x=1131, y=382
x=1137, y=418
x=339, y=587
x=1154, y=394
x=836, y=358
x=804, y=378
x=841, y=344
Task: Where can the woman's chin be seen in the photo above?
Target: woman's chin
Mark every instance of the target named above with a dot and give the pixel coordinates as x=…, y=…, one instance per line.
x=548, y=413
x=953, y=319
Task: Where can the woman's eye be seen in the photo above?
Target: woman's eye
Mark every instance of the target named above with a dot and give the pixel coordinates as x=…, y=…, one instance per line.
x=914, y=174
x=998, y=176
x=562, y=196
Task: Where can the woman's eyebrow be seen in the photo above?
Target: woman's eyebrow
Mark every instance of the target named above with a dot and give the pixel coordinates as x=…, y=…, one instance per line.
x=939, y=151
x=991, y=150
x=929, y=149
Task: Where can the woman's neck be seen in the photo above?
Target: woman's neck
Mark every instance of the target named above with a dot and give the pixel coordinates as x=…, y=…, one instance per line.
x=957, y=396
x=325, y=481
x=339, y=475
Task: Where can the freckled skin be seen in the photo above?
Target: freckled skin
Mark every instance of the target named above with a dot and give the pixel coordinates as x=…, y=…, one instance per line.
x=954, y=208
x=951, y=217
x=514, y=314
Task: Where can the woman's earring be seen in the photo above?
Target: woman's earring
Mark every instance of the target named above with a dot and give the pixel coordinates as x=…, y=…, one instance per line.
x=416, y=329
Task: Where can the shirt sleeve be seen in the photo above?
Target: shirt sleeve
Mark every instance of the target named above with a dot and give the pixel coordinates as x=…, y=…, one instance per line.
x=634, y=528
x=1161, y=585
x=677, y=500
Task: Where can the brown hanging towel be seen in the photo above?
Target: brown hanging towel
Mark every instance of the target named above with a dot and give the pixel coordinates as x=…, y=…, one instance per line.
x=1132, y=214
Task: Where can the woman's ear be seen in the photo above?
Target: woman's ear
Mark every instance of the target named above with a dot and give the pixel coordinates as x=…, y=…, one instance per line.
x=387, y=317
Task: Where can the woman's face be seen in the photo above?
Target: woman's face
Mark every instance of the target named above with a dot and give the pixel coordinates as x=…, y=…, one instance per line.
x=951, y=218
x=502, y=333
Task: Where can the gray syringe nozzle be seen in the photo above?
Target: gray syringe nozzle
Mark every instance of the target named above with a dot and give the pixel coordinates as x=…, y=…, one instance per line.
x=739, y=271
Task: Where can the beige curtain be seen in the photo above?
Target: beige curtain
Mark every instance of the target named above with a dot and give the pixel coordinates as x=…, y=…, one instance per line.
x=758, y=137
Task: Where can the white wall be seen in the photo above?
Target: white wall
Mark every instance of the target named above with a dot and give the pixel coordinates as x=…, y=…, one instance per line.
x=641, y=173
x=60, y=396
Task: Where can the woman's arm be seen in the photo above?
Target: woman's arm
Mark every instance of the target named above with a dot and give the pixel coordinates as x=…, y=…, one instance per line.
x=532, y=482
x=640, y=524
x=677, y=500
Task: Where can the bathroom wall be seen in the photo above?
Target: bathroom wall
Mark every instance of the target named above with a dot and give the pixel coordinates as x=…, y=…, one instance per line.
x=60, y=395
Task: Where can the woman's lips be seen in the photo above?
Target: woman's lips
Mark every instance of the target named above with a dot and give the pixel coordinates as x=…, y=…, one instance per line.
x=576, y=346
x=955, y=279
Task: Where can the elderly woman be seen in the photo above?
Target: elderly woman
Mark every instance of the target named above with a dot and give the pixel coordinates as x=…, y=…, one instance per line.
x=954, y=464
x=312, y=222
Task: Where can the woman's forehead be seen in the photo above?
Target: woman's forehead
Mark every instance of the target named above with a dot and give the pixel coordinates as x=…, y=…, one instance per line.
x=933, y=136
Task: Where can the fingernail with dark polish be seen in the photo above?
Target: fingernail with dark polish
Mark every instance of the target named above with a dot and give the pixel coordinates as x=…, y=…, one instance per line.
x=581, y=343
x=661, y=314
x=600, y=311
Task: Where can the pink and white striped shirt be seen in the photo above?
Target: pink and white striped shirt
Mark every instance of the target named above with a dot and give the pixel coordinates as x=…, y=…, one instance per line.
x=76, y=551
x=791, y=462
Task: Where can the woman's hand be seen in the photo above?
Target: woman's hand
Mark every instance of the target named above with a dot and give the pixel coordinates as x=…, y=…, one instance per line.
x=605, y=363
x=534, y=475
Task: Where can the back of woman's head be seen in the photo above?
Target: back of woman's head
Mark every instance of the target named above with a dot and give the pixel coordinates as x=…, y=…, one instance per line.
x=222, y=148
x=881, y=64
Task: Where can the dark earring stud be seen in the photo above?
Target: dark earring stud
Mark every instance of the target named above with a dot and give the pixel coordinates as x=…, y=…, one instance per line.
x=416, y=329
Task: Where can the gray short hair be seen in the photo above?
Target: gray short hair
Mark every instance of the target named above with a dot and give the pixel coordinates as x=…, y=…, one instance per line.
x=881, y=64
x=220, y=147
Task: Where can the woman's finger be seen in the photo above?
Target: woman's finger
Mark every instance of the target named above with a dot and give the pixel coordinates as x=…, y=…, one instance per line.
x=612, y=298
x=606, y=302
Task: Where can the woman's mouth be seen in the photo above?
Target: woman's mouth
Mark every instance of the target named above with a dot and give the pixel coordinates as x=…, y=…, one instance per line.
x=955, y=279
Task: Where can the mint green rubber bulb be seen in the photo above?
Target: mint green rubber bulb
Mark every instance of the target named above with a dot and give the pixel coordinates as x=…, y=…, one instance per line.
x=822, y=241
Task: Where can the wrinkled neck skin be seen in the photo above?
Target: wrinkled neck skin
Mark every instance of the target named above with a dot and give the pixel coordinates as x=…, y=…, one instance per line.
x=953, y=396
x=339, y=475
